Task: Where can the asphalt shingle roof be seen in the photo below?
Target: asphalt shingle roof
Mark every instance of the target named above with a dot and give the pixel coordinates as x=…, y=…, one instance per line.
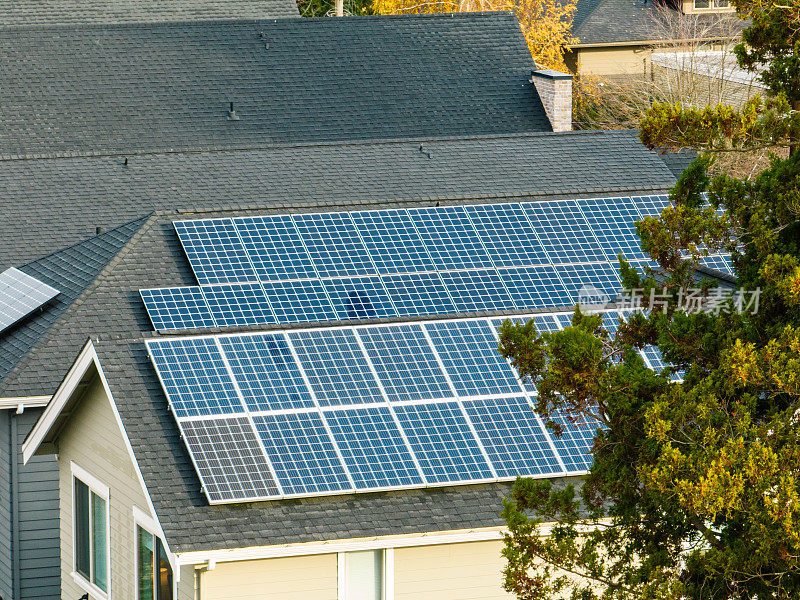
x=129, y=89
x=14, y=13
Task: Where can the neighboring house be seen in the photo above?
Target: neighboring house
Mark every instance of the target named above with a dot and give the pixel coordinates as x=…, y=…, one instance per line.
x=617, y=37
x=103, y=124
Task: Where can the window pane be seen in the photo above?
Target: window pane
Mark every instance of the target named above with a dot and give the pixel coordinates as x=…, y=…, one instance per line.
x=145, y=557
x=99, y=532
x=81, y=509
x=701, y=3
x=365, y=575
x=164, y=574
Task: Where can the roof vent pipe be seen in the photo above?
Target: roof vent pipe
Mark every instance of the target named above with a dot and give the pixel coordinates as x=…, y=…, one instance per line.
x=232, y=116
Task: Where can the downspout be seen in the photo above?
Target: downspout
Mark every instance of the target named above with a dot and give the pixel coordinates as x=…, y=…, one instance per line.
x=14, y=460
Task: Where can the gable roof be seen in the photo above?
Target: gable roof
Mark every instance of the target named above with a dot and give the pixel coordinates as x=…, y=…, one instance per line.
x=141, y=88
x=16, y=13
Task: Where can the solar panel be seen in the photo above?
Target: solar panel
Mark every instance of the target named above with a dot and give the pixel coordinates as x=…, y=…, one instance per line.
x=451, y=239
x=266, y=372
x=392, y=241
x=591, y=285
x=651, y=206
x=194, y=377
x=20, y=295
x=574, y=446
x=418, y=294
x=546, y=323
x=274, y=247
x=299, y=301
x=405, y=363
x=513, y=437
x=336, y=367
x=564, y=232
x=373, y=448
x=229, y=459
x=721, y=263
x=613, y=223
x=507, y=235
x=443, y=442
x=474, y=291
x=536, y=287
x=360, y=298
x=564, y=320
x=177, y=308
x=238, y=304
x=302, y=453
x=215, y=251
x=468, y=350
x=334, y=245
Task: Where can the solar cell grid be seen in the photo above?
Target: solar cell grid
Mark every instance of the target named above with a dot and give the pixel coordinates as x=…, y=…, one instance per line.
x=229, y=459
x=238, y=304
x=274, y=247
x=392, y=241
x=536, y=287
x=450, y=238
x=474, y=291
x=443, y=442
x=564, y=232
x=194, y=376
x=418, y=294
x=405, y=363
x=651, y=206
x=513, y=437
x=265, y=370
x=177, y=308
x=336, y=367
x=21, y=294
x=334, y=245
x=215, y=251
x=360, y=298
x=507, y=235
x=720, y=263
x=373, y=448
x=468, y=350
x=299, y=301
x=613, y=223
x=302, y=453
x=574, y=446
x=591, y=285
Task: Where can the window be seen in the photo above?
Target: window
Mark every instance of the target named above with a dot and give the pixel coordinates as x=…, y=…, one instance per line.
x=154, y=572
x=91, y=537
x=704, y=4
x=362, y=575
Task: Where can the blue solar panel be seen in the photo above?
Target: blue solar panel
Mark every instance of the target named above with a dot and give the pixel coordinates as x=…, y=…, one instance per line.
x=721, y=263
x=468, y=350
x=564, y=232
x=613, y=223
x=336, y=367
x=591, y=285
x=507, y=235
x=373, y=448
x=194, y=376
x=536, y=287
x=611, y=322
x=564, y=320
x=574, y=446
x=334, y=245
x=360, y=298
x=302, y=453
x=229, y=459
x=215, y=251
x=513, y=437
x=443, y=442
x=275, y=248
x=405, y=363
x=450, y=238
x=238, y=304
x=651, y=206
x=265, y=370
x=419, y=294
x=299, y=301
x=177, y=308
x=474, y=291
x=546, y=323
x=392, y=241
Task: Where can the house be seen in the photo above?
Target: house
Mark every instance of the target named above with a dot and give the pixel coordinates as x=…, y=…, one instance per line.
x=617, y=37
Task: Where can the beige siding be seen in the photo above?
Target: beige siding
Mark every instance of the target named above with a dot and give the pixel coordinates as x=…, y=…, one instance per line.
x=689, y=9
x=296, y=578
x=93, y=440
x=467, y=571
x=627, y=60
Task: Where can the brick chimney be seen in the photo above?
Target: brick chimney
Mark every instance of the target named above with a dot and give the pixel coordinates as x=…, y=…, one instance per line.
x=555, y=90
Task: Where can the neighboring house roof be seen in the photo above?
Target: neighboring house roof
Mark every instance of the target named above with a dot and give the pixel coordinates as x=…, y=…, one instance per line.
x=714, y=64
x=140, y=88
x=14, y=13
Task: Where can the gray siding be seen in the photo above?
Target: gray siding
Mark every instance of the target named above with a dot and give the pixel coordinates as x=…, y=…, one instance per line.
x=37, y=519
x=5, y=506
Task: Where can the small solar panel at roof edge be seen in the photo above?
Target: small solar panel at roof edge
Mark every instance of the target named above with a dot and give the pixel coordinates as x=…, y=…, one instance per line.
x=20, y=295
x=215, y=251
x=275, y=248
x=450, y=238
x=564, y=232
x=507, y=235
x=334, y=244
x=177, y=308
x=392, y=241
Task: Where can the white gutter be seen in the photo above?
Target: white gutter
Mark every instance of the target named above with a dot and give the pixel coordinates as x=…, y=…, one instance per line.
x=23, y=402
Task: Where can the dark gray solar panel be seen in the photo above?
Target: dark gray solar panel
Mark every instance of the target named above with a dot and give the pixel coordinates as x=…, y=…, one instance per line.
x=20, y=295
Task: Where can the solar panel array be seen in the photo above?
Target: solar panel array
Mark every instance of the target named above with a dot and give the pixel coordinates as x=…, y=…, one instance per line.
x=20, y=295
x=362, y=408
x=401, y=262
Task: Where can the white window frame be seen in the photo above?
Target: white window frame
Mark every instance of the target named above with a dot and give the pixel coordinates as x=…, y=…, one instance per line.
x=101, y=490
x=712, y=5
x=387, y=575
x=144, y=521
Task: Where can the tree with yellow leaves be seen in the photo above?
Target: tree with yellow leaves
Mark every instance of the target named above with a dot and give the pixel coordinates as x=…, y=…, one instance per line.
x=546, y=24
